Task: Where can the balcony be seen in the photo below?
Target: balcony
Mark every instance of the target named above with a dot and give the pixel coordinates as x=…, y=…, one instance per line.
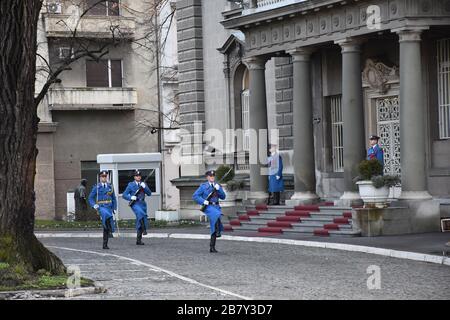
x=62, y=25
x=92, y=98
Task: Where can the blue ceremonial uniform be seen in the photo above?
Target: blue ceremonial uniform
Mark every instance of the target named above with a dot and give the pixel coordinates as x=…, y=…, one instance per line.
x=213, y=210
x=375, y=152
x=140, y=206
x=275, y=163
x=106, y=200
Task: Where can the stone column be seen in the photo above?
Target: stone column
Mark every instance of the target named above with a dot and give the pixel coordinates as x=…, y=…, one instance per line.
x=412, y=116
x=258, y=121
x=303, y=160
x=353, y=116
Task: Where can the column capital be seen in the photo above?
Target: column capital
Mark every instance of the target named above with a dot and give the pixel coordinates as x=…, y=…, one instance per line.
x=255, y=63
x=300, y=54
x=409, y=34
x=349, y=44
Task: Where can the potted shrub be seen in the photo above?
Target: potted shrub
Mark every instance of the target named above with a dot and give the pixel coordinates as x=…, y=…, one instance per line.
x=373, y=185
x=228, y=184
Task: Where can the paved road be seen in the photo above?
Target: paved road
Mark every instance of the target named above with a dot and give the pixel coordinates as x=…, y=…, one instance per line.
x=184, y=269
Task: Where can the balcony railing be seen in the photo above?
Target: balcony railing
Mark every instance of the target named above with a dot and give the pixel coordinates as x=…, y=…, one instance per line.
x=92, y=98
x=61, y=25
x=262, y=3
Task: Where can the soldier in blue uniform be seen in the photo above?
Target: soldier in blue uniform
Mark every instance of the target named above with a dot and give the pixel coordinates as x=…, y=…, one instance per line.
x=103, y=199
x=136, y=191
x=213, y=210
x=276, y=183
x=375, y=151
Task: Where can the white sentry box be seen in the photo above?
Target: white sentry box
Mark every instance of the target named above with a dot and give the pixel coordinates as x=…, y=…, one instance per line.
x=121, y=163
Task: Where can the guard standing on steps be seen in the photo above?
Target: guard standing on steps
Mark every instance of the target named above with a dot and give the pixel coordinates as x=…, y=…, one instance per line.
x=276, y=183
x=103, y=199
x=208, y=195
x=135, y=192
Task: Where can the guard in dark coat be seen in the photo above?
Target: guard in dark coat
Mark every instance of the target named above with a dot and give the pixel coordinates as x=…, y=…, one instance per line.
x=375, y=151
x=103, y=199
x=136, y=192
x=213, y=210
x=276, y=182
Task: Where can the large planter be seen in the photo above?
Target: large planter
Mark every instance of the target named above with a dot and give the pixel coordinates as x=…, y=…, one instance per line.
x=373, y=197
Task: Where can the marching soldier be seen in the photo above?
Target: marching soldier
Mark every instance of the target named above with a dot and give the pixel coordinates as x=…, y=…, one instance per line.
x=276, y=183
x=375, y=151
x=103, y=199
x=208, y=194
x=136, y=191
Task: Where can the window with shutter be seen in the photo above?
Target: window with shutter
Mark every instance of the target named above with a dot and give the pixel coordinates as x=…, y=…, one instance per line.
x=97, y=73
x=116, y=73
x=104, y=73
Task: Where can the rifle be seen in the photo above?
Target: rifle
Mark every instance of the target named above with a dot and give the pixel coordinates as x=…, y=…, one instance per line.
x=139, y=189
x=203, y=208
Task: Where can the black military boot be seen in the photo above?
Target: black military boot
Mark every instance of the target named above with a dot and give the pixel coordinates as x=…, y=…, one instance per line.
x=143, y=227
x=269, y=199
x=276, y=198
x=217, y=228
x=139, y=237
x=108, y=223
x=105, y=238
x=212, y=243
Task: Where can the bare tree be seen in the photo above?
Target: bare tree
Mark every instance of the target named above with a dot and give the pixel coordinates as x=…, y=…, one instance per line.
x=19, y=121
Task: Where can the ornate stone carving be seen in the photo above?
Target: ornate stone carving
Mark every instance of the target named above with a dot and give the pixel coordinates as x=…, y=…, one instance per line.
x=377, y=75
x=447, y=6
x=394, y=8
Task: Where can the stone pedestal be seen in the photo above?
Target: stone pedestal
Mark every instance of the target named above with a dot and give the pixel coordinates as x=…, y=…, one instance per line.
x=405, y=217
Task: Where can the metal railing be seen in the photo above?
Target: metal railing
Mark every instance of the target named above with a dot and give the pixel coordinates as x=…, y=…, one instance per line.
x=262, y=3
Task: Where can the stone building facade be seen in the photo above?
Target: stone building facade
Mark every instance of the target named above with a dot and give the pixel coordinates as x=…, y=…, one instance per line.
x=327, y=74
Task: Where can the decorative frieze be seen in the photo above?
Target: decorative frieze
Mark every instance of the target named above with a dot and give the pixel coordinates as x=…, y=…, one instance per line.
x=301, y=24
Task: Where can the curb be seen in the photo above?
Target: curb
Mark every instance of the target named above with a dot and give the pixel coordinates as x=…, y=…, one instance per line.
x=55, y=293
x=415, y=256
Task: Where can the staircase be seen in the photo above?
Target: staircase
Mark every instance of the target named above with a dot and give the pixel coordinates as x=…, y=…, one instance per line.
x=322, y=219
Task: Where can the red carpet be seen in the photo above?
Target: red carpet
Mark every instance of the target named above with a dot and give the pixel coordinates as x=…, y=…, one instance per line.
x=326, y=204
x=340, y=220
x=280, y=224
x=307, y=207
x=347, y=215
x=227, y=227
x=298, y=213
x=252, y=213
x=244, y=217
x=290, y=218
x=261, y=207
x=270, y=229
x=331, y=226
x=235, y=223
x=321, y=232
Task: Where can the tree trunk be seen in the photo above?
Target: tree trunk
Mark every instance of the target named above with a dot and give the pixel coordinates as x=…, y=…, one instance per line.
x=18, y=133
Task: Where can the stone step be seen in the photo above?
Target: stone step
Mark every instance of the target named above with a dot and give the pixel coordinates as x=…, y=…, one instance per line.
x=341, y=233
x=310, y=225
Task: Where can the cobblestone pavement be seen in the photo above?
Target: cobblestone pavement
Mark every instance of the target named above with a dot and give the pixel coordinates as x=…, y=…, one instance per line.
x=184, y=269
